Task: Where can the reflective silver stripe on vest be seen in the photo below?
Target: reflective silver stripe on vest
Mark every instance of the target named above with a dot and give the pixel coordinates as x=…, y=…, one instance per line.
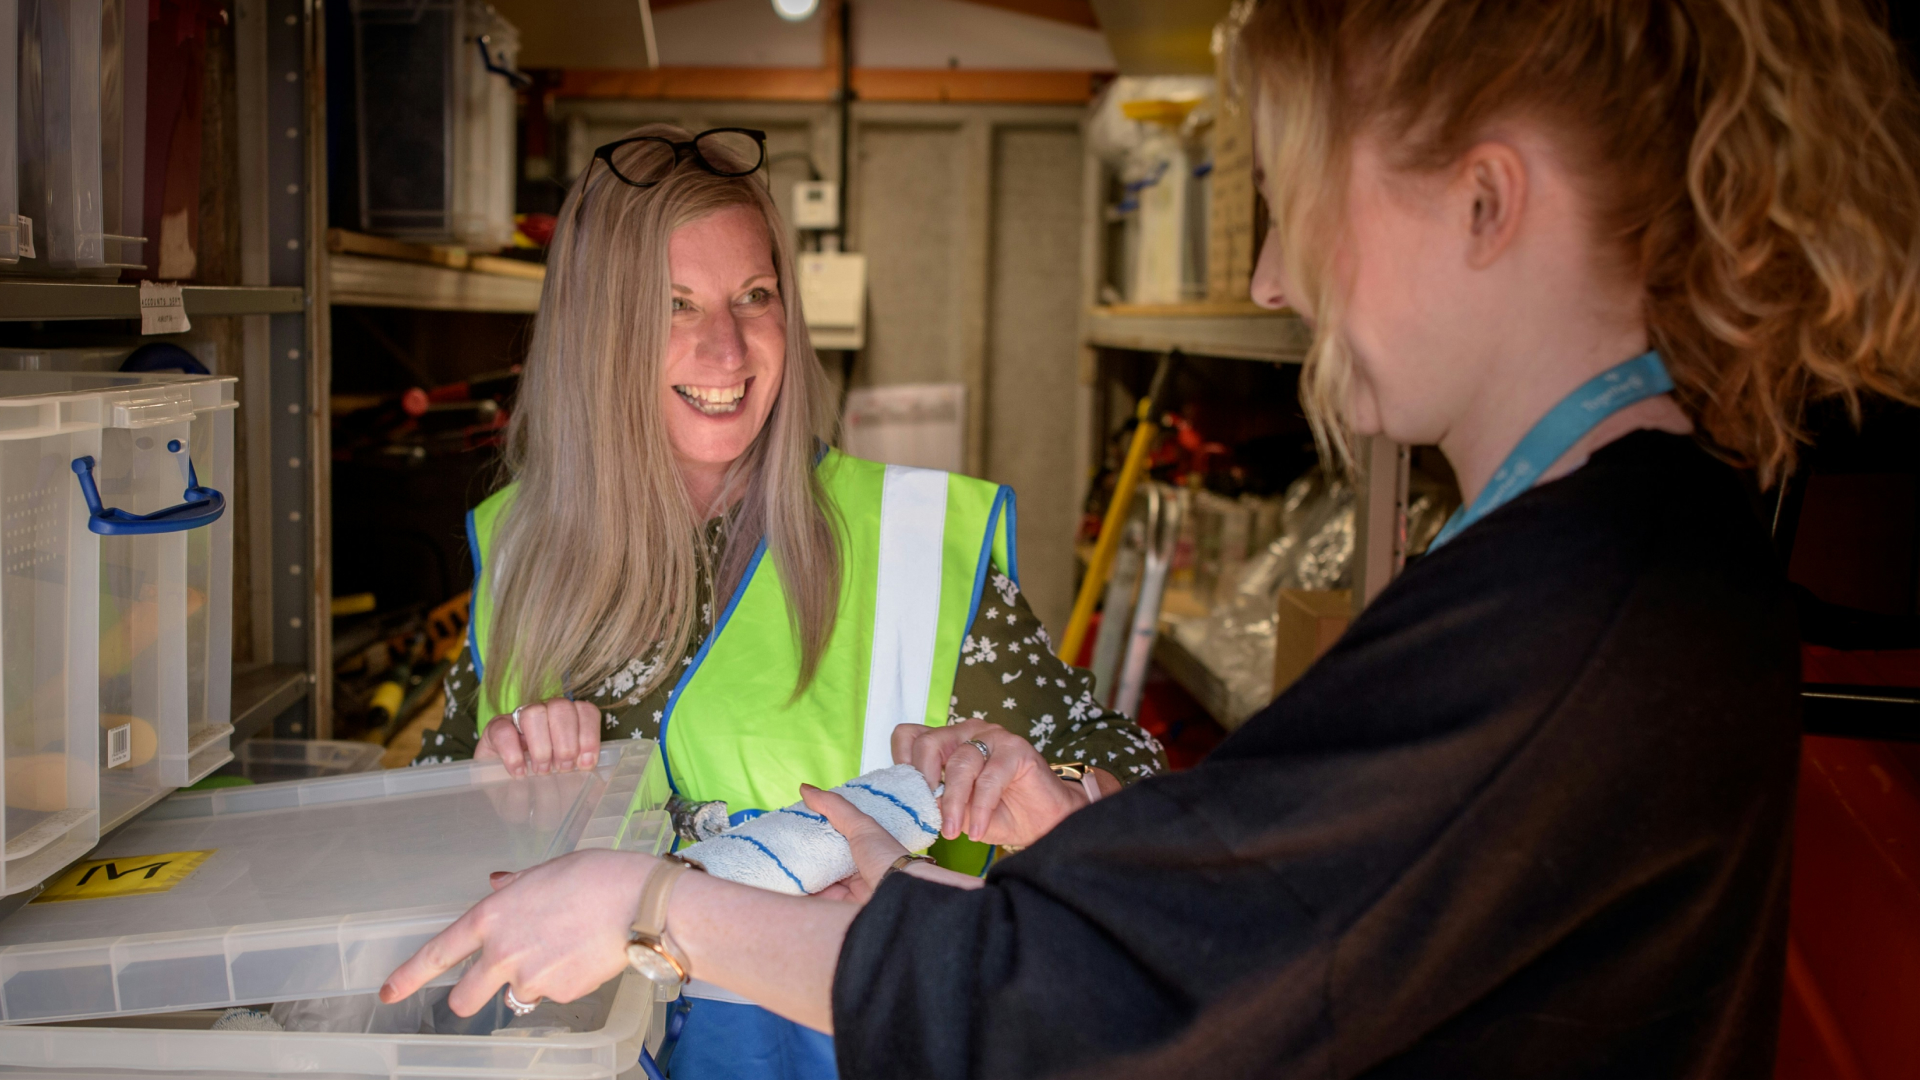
x=906, y=609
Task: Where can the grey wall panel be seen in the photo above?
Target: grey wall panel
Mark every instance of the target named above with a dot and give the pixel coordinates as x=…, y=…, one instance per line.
x=909, y=221
x=1032, y=346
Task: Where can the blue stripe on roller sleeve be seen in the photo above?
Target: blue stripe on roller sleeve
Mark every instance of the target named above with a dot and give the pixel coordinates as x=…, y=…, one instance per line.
x=904, y=808
x=768, y=852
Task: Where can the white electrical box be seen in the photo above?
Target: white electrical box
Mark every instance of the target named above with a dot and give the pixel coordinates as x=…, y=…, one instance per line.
x=816, y=205
x=833, y=295
x=923, y=425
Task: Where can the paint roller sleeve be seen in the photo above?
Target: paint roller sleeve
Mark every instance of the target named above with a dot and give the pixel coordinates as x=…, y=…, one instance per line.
x=795, y=851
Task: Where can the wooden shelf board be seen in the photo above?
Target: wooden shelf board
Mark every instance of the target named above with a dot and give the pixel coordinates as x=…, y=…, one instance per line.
x=22, y=301
x=1197, y=310
x=363, y=281
x=1228, y=330
x=261, y=694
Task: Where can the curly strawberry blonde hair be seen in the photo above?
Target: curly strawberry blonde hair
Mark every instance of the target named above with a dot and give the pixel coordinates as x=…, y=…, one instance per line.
x=1753, y=162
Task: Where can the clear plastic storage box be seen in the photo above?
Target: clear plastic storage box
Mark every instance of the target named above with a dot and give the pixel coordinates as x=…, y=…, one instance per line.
x=316, y=889
x=49, y=638
x=436, y=120
x=115, y=619
x=95, y=358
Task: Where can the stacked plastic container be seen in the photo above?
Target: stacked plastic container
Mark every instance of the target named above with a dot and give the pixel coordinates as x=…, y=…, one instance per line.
x=318, y=889
x=9, y=131
x=115, y=602
x=436, y=120
x=49, y=638
x=73, y=104
x=60, y=183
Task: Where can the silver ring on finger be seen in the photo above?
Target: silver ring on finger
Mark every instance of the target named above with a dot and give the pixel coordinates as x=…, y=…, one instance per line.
x=515, y=717
x=986, y=752
x=518, y=1007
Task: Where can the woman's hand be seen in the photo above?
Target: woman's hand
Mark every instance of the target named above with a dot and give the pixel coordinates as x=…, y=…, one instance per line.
x=552, y=736
x=558, y=930
x=874, y=849
x=1006, y=796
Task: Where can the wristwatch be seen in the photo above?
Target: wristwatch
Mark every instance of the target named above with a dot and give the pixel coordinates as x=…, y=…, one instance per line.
x=647, y=949
x=1077, y=772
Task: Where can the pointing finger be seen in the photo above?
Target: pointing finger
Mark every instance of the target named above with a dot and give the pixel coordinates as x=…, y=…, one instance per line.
x=435, y=958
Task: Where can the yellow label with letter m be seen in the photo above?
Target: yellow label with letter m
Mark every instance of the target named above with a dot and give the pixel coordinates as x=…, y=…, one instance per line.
x=126, y=875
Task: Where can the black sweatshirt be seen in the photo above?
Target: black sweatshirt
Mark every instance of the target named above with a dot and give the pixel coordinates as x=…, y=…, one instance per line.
x=1529, y=817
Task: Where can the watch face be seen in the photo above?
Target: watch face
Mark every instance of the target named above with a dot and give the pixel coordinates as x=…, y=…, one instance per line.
x=651, y=964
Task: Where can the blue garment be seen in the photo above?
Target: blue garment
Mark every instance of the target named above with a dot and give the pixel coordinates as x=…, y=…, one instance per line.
x=724, y=1040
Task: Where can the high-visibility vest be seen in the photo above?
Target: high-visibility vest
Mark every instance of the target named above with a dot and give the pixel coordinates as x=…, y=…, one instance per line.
x=915, y=551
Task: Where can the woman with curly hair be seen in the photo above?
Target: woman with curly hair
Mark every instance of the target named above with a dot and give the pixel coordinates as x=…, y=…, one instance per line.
x=1532, y=814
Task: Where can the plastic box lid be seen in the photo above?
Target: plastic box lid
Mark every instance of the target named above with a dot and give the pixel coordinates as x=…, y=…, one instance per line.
x=266, y=761
x=307, y=889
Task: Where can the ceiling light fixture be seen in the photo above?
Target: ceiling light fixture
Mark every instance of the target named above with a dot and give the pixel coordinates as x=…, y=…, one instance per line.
x=795, y=10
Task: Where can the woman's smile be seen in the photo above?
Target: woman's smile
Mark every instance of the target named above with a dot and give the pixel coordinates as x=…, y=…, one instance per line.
x=715, y=400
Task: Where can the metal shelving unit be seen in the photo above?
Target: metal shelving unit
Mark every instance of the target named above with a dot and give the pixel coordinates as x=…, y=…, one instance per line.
x=50, y=301
x=1233, y=331
x=366, y=281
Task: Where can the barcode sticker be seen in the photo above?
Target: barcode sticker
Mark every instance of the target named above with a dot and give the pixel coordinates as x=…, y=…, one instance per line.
x=119, y=745
x=26, y=237
x=162, y=311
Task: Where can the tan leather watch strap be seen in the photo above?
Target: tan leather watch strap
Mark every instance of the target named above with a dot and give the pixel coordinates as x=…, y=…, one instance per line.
x=650, y=917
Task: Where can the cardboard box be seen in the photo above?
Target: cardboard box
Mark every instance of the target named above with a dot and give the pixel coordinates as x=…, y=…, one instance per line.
x=1307, y=624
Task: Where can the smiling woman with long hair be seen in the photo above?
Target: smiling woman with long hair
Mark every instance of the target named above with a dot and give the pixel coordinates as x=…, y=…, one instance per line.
x=1531, y=815
x=677, y=554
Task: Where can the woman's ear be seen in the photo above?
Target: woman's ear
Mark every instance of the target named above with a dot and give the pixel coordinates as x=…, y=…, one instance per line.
x=1496, y=183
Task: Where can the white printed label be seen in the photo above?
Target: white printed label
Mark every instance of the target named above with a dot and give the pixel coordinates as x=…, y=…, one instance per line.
x=119, y=745
x=26, y=237
x=162, y=310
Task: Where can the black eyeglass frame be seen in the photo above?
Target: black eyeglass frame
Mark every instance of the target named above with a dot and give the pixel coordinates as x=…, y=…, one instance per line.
x=605, y=153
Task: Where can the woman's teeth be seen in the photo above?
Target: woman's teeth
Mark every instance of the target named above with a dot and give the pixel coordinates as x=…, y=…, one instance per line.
x=714, y=400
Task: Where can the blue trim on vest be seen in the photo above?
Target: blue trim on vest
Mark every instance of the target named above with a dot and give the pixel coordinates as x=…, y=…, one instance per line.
x=473, y=646
x=673, y=696
x=904, y=808
x=1013, y=535
x=1000, y=497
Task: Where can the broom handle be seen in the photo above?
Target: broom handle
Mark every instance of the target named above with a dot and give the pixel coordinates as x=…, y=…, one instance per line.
x=1115, y=522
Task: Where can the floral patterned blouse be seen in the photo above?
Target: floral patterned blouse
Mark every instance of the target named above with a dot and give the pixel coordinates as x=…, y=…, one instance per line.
x=1008, y=675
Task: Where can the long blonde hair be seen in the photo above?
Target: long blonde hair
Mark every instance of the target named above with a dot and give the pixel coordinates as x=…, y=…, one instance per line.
x=596, y=559
x=1755, y=162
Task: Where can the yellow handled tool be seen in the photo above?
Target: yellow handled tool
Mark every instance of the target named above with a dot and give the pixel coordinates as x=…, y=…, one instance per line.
x=1115, y=522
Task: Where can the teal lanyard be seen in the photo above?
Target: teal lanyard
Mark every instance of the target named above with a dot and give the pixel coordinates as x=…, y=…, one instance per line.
x=1607, y=393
